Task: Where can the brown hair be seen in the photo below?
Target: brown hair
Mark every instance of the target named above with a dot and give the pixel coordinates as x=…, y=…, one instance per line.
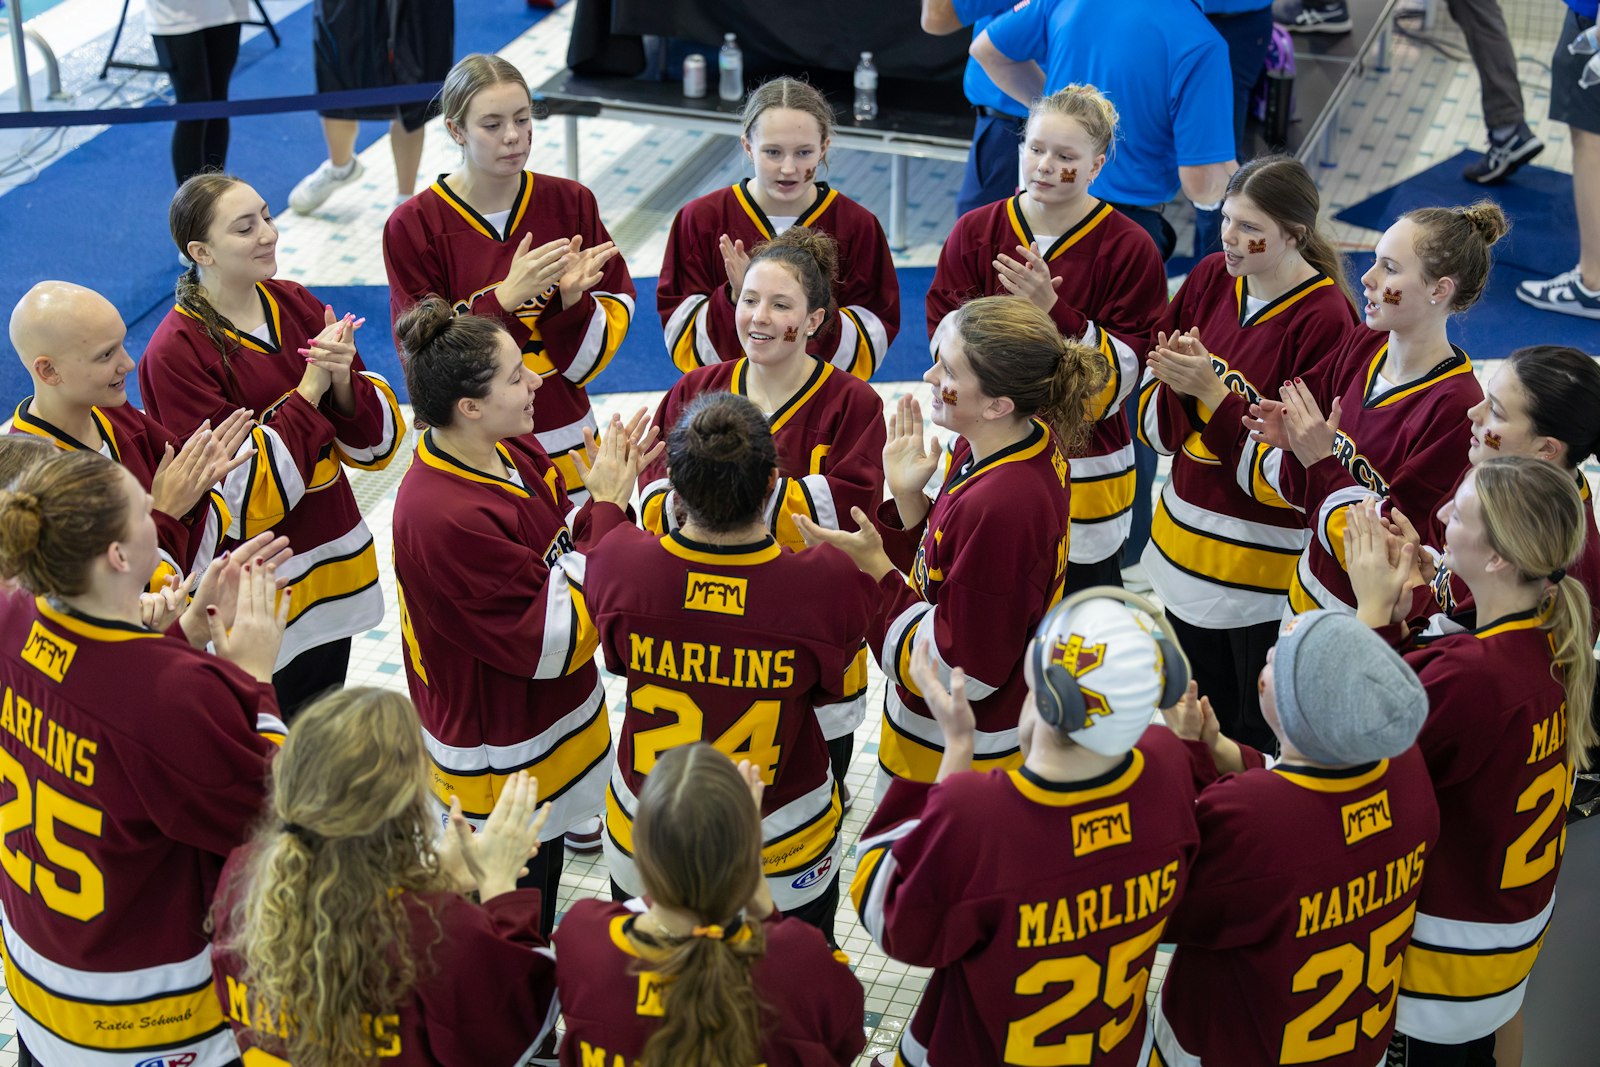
x=1535, y=521
x=720, y=457
x=1088, y=106
x=189, y=217
x=322, y=925
x=812, y=256
x=470, y=76
x=697, y=841
x=1016, y=351
x=18, y=452
x=445, y=357
x=1284, y=191
x=1454, y=242
x=58, y=516
x=793, y=94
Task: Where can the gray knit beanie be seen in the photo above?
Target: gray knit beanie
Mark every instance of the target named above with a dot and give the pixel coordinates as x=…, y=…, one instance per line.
x=1343, y=695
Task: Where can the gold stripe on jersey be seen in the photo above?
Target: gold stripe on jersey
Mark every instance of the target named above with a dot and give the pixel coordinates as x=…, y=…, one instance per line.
x=1276, y=307
x=1084, y=226
x=1036, y=442
x=1458, y=363
x=1222, y=560
x=1100, y=404
x=740, y=386
x=617, y=317
x=28, y=423
x=566, y=763
x=1103, y=497
x=94, y=629
x=334, y=579
x=519, y=208
x=379, y=460
x=1322, y=780
x=685, y=353
x=750, y=555
x=274, y=321
x=170, y=1021
x=905, y=756
x=1261, y=488
x=865, y=358
x=824, y=200
x=1433, y=972
x=1048, y=794
x=433, y=456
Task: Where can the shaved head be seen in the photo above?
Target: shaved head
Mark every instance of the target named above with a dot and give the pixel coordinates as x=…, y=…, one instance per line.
x=60, y=318
x=70, y=340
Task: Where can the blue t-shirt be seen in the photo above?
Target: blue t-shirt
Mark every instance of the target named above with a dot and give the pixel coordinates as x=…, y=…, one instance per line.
x=982, y=91
x=1233, y=7
x=1589, y=9
x=1159, y=62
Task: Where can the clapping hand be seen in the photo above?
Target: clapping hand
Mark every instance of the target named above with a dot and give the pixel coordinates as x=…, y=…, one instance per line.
x=1183, y=364
x=909, y=461
x=610, y=466
x=584, y=270
x=735, y=261
x=493, y=858
x=1028, y=276
x=864, y=545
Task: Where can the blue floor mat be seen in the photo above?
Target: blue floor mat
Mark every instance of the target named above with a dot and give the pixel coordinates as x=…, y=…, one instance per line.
x=1538, y=201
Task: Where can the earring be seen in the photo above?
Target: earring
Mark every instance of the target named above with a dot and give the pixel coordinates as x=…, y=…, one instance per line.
x=811, y=333
x=1433, y=301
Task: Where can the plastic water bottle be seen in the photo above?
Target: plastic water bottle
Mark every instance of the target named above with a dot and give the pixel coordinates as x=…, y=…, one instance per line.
x=730, y=68
x=866, y=81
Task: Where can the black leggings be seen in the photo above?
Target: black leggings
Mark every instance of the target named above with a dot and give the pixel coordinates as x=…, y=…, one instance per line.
x=317, y=670
x=200, y=65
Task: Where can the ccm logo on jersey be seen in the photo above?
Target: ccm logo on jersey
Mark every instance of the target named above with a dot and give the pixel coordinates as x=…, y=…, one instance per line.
x=814, y=875
x=51, y=654
x=1101, y=828
x=175, y=1059
x=715, y=593
x=1368, y=816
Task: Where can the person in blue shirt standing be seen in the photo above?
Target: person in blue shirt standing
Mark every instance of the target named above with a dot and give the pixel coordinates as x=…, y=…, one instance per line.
x=1246, y=26
x=992, y=164
x=1167, y=71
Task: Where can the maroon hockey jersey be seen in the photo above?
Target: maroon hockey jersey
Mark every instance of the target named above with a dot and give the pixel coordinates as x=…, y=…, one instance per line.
x=499, y=646
x=436, y=243
x=1218, y=557
x=134, y=764
x=986, y=564
x=486, y=994
x=1300, y=905
x=611, y=1000
x=1040, y=954
x=697, y=308
x=295, y=484
x=731, y=644
x=1113, y=289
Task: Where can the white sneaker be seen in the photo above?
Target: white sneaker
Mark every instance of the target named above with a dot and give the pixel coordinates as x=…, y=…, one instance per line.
x=320, y=184
x=1565, y=294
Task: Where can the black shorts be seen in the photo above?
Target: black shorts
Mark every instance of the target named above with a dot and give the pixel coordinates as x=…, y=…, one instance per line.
x=1579, y=108
x=369, y=44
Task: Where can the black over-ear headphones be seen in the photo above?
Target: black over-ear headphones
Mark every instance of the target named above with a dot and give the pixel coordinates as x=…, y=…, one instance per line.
x=1056, y=694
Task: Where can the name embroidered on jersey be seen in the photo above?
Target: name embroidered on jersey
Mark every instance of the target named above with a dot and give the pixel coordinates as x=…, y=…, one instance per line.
x=1359, y=466
x=1101, y=828
x=715, y=593
x=1365, y=817
x=50, y=653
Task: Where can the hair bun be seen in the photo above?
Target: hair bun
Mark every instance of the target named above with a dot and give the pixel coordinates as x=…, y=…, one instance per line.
x=21, y=524
x=1487, y=221
x=817, y=244
x=423, y=322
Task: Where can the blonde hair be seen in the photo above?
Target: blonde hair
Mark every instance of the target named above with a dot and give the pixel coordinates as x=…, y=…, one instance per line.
x=1534, y=519
x=697, y=838
x=1454, y=242
x=1088, y=106
x=1015, y=351
x=59, y=514
x=470, y=76
x=795, y=95
x=322, y=926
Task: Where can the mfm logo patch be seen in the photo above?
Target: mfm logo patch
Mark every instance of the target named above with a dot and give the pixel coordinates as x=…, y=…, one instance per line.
x=48, y=652
x=1101, y=828
x=1071, y=656
x=1366, y=817
x=651, y=987
x=715, y=593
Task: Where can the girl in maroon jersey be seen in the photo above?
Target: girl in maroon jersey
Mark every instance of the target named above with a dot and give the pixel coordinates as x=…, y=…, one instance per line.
x=701, y=970
x=344, y=915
